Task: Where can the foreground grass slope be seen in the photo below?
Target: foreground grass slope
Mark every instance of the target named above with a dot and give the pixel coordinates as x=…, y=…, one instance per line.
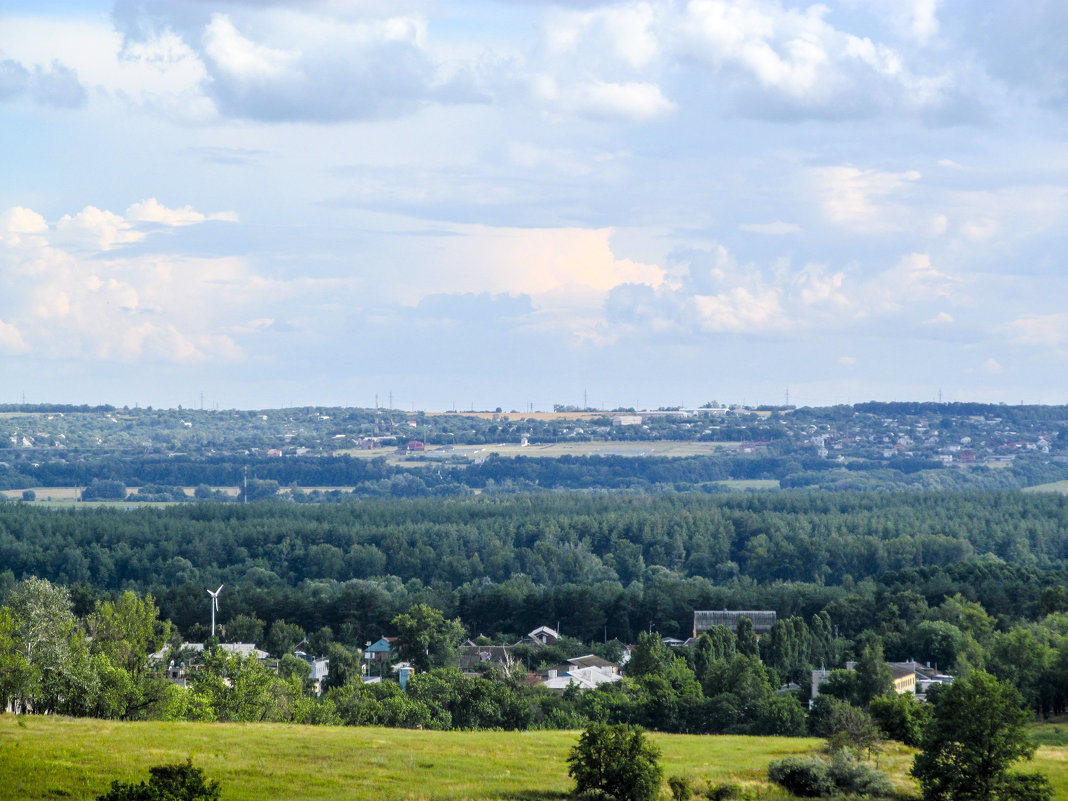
x=48, y=758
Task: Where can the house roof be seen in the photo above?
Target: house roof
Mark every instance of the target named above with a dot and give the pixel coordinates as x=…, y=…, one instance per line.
x=583, y=678
x=901, y=670
x=591, y=660
x=383, y=646
x=540, y=630
x=762, y=619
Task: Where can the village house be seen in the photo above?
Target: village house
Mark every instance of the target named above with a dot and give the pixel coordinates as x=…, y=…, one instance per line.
x=763, y=620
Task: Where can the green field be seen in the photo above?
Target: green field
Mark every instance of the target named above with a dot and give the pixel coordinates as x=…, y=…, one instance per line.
x=54, y=757
x=750, y=483
x=48, y=758
x=1055, y=486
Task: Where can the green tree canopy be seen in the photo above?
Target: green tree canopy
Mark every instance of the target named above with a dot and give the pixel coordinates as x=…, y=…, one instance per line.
x=425, y=638
x=975, y=736
x=616, y=762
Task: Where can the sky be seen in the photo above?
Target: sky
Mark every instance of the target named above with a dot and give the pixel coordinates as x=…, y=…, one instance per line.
x=522, y=203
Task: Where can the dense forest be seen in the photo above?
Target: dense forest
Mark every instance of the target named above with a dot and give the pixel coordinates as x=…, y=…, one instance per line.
x=602, y=566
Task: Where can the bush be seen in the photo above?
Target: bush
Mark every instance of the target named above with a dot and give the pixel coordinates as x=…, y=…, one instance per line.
x=857, y=778
x=616, y=762
x=680, y=788
x=722, y=792
x=1026, y=787
x=812, y=777
x=808, y=777
x=180, y=782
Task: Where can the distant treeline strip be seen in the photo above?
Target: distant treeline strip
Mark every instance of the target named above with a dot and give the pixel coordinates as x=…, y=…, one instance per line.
x=377, y=477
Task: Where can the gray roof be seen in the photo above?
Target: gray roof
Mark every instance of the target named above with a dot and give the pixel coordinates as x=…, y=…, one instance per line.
x=762, y=619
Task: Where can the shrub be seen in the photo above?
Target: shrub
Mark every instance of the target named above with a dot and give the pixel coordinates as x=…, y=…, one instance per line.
x=680, y=788
x=812, y=777
x=1026, y=787
x=853, y=777
x=616, y=762
x=722, y=792
x=808, y=777
x=180, y=782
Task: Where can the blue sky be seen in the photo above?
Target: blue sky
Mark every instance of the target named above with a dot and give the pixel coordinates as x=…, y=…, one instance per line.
x=499, y=203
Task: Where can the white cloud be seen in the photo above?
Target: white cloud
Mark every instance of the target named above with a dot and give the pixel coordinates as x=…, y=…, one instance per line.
x=152, y=210
x=97, y=229
x=740, y=310
x=627, y=33
x=859, y=198
x=794, y=62
x=63, y=294
x=634, y=101
x=11, y=340
x=532, y=261
x=1046, y=330
x=21, y=226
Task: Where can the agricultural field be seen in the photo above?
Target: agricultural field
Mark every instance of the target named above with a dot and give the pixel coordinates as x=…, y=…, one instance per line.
x=1053, y=486
x=53, y=757
x=64, y=496
x=554, y=450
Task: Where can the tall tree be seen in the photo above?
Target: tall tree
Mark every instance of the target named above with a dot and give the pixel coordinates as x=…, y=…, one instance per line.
x=975, y=736
x=746, y=637
x=425, y=638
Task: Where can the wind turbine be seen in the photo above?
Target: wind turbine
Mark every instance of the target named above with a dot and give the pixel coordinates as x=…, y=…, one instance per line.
x=214, y=606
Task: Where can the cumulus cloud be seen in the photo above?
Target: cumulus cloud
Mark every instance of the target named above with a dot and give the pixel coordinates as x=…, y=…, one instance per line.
x=152, y=210
x=11, y=340
x=710, y=292
x=62, y=293
x=781, y=61
x=97, y=229
x=524, y=261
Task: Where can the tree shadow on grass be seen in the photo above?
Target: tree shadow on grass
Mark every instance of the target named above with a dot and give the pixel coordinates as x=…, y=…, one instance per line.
x=539, y=795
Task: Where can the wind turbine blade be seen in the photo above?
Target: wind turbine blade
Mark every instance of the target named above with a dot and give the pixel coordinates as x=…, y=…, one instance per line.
x=220, y=589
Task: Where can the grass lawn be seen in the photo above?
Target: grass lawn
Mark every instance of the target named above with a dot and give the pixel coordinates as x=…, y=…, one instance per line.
x=48, y=758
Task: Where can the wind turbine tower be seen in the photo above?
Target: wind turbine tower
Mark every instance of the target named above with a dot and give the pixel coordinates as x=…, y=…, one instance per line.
x=214, y=606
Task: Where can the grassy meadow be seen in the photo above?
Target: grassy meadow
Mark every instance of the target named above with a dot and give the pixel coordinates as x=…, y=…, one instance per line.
x=53, y=757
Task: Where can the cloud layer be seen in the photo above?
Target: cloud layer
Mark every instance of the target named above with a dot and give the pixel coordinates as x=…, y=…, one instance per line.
x=318, y=201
